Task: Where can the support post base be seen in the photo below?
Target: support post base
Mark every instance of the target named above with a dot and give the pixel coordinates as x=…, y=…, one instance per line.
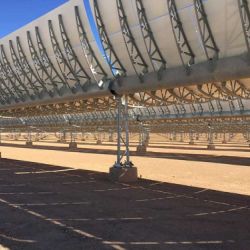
x=98, y=142
x=224, y=142
x=29, y=143
x=61, y=141
x=211, y=146
x=141, y=149
x=191, y=143
x=72, y=145
x=123, y=174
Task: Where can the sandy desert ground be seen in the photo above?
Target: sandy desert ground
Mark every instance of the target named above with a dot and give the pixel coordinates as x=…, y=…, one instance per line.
x=225, y=169
x=188, y=197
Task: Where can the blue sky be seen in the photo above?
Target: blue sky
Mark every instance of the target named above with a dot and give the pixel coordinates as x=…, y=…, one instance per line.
x=17, y=13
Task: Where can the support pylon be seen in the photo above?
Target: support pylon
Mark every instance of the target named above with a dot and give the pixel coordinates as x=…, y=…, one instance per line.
x=123, y=171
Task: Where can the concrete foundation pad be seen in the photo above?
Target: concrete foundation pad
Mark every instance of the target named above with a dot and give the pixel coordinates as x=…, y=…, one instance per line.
x=123, y=174
x=29, y=143
x=98, y=142
x=141, y=149
x=72, y=145
x=61, y=141
x=211, y=146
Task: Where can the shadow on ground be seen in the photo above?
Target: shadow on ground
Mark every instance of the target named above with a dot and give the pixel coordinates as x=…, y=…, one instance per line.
x=50, y=207
x=232, y=160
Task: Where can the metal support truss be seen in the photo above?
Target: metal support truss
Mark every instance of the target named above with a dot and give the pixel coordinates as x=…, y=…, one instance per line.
x=245, y=20
x=21, y=74
x=7, y=93
x=115, y=64
x=211, y=107
x=186, y=54
x=96, y=68
x=211, y=91
x=154, y=53
x=48, y=65
x=163, y=96
x=66, y=70
x=179, y=109
x=137, y=61
x=122, y=124
x=219, y=107
x=231, y=106
x=210, y=48
x=41, y=71
x=37, y=84
x=200, y=108
x=240, y=104
x=76, y=66
x=235, y=88
x=17, y=86
x=184, y=94
x=3, y=95
x=192, y=108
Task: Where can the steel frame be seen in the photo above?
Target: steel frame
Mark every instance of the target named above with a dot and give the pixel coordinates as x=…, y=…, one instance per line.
x=34, y=79
x=154, y=53
x=235, y=88
x=69, y=76
x=186, y=54
x=17, y=86
x=8, y=94
x=245, y=21
x=40, y=69
x=95, y=67
x=74, y=63
x=136, y=59
x=21, y=74
x=115, y=64
x=210, y=48
x=48, y=65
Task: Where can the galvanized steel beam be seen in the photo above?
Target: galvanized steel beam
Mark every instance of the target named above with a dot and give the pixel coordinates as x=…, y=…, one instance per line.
x=136, y=58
